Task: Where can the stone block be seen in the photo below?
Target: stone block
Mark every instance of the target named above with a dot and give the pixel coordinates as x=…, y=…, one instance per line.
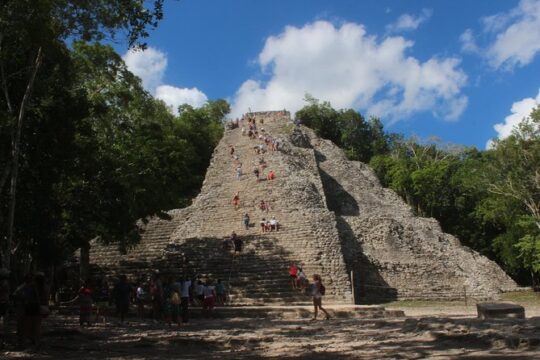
x=500, y=311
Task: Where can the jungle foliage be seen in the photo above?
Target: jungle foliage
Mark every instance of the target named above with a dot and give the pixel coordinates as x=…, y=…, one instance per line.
x=85, y=151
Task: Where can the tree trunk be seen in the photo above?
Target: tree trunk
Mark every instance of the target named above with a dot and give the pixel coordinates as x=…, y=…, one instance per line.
x=15, y=150
x=5, y=176
x=84, y=262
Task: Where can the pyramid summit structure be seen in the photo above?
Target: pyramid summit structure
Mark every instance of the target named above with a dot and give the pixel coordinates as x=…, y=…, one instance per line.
x=335, y=220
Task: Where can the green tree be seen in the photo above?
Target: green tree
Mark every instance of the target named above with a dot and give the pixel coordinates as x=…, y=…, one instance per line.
x=320, y=117
x=515, y=178
x=347, y=128
x=31, y=33
x=138, y=159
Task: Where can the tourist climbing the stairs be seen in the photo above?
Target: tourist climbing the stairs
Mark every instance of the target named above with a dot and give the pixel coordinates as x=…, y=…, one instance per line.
x=256, y=172
x=293, y=272
x=262, y=164
x=232, y=238
x=301, y=280
x=236, y=200
x=317, y=292
x=263, y=206
x=238, y=245
x=274, y=224
x=245, y=221
x=239, y=172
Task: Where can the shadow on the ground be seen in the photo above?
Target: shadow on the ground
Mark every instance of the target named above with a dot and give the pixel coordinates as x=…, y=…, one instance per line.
x=241, y=338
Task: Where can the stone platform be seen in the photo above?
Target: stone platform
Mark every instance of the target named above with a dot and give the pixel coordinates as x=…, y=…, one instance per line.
x=500, y=311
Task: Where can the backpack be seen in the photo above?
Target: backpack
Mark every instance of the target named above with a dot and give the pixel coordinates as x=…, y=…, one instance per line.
x=322, y=289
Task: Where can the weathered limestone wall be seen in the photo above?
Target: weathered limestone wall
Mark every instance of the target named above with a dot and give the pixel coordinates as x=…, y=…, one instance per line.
x=393, y=253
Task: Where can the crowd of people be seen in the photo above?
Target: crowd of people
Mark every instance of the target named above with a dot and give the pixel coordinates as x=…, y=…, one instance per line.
x=164, y=299
x=265, y=143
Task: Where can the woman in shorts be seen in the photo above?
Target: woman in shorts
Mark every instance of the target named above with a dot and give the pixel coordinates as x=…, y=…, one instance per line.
x=317, y=292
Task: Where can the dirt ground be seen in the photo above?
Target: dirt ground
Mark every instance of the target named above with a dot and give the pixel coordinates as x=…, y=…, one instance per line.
x=428, y=331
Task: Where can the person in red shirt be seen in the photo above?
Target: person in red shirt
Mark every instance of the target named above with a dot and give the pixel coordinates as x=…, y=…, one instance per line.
x=293, y=271
x=236, y=200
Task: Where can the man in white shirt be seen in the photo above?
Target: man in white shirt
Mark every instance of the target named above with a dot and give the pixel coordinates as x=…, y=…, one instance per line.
x=274, y=225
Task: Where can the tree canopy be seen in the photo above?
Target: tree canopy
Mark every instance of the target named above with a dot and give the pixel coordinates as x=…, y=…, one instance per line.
x=85, y=151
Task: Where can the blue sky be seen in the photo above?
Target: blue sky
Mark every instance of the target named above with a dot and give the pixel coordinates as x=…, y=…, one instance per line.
x=453, y=69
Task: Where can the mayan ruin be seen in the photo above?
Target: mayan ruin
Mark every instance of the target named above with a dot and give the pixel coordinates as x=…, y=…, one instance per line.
x=336, y=220
x=241, y=179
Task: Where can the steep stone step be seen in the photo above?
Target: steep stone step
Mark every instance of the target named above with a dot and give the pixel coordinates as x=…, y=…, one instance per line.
x=307, y=237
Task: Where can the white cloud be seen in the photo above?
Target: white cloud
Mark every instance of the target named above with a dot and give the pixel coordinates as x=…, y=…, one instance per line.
x=174, y=97
x=350, y=68
x=520, y=109
x=407, y=22
x=512, y=38
x=468, y=42
x=150, y=66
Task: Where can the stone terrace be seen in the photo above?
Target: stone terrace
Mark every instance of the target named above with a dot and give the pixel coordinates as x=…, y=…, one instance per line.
x=335, y=217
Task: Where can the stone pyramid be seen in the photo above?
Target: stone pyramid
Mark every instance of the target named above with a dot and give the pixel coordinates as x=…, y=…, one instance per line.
x=336, y=220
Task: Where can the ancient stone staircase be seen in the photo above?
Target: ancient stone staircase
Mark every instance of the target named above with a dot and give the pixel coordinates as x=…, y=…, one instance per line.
x=191, y=242
x=335, y=218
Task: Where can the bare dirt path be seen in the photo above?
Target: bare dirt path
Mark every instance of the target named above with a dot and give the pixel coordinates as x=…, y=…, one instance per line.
x=239, y=338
